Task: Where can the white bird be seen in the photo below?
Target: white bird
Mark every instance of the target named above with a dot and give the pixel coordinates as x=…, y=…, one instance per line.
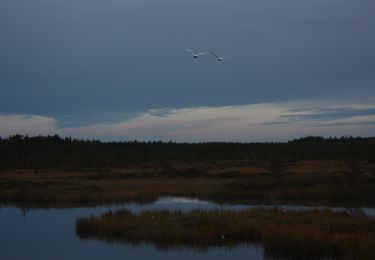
x=195, y=55
x=219, y=58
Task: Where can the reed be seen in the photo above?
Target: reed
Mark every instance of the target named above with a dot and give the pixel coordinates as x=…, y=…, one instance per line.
x=301, y=234
x=311, y=182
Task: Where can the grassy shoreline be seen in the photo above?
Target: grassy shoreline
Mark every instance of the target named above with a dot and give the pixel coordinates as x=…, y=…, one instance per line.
x=331, y=183
x=318, y=233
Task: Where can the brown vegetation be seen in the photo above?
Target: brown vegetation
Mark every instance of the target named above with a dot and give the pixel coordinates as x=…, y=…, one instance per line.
x=307, y=182
x=290, y=234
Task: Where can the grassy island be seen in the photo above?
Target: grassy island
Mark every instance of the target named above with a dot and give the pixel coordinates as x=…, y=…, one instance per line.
x=301, y=234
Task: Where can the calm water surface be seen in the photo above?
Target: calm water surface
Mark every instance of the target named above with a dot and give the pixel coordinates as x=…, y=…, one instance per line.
x=50, y=234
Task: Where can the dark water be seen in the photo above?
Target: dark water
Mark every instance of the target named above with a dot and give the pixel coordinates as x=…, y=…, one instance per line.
x=50, y=234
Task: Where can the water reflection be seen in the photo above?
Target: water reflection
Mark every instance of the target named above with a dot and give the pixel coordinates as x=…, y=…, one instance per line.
x=50, y=233
x=187, y=204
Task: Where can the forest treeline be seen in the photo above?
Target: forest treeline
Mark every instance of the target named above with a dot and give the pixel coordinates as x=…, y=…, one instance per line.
x=54, y=152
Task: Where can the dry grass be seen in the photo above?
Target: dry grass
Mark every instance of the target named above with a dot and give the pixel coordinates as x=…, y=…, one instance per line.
x=283, y=234
x=310, y=182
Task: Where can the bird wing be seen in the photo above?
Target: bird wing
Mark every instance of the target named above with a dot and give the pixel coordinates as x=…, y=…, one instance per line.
x=213, y=54
x=189, y=50
x=201, y=53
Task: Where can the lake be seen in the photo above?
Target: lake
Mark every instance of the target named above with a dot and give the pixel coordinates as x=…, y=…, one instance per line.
x=50, y=233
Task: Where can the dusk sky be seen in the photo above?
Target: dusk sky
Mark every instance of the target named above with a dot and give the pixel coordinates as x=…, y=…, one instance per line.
x=119, y=70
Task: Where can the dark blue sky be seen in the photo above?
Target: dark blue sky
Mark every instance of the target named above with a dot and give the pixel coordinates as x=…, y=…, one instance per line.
x=94, y=61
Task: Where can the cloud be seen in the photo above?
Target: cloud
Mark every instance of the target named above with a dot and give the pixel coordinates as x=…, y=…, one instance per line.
x=326, y=113
x=255, y=122
x=259, y=122
x=185, y=124
x=26, y=124
x=331, y=113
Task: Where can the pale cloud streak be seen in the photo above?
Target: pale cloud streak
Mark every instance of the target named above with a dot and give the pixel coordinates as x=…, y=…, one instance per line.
x=259, y=122
x=26, y=124
x=256, y=122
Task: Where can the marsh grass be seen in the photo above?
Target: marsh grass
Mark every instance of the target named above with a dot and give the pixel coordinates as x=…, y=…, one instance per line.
x=309, y=182
x=300, y=234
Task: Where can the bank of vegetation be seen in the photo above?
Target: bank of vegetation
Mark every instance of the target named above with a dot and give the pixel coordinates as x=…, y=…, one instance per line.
x=52, y=170
x=293, y=234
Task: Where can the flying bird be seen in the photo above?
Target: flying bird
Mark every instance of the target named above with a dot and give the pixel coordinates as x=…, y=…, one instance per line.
x=195, y=55
x=219, y=58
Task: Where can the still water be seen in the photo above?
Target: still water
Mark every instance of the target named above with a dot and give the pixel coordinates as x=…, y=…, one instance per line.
x=50, y=234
